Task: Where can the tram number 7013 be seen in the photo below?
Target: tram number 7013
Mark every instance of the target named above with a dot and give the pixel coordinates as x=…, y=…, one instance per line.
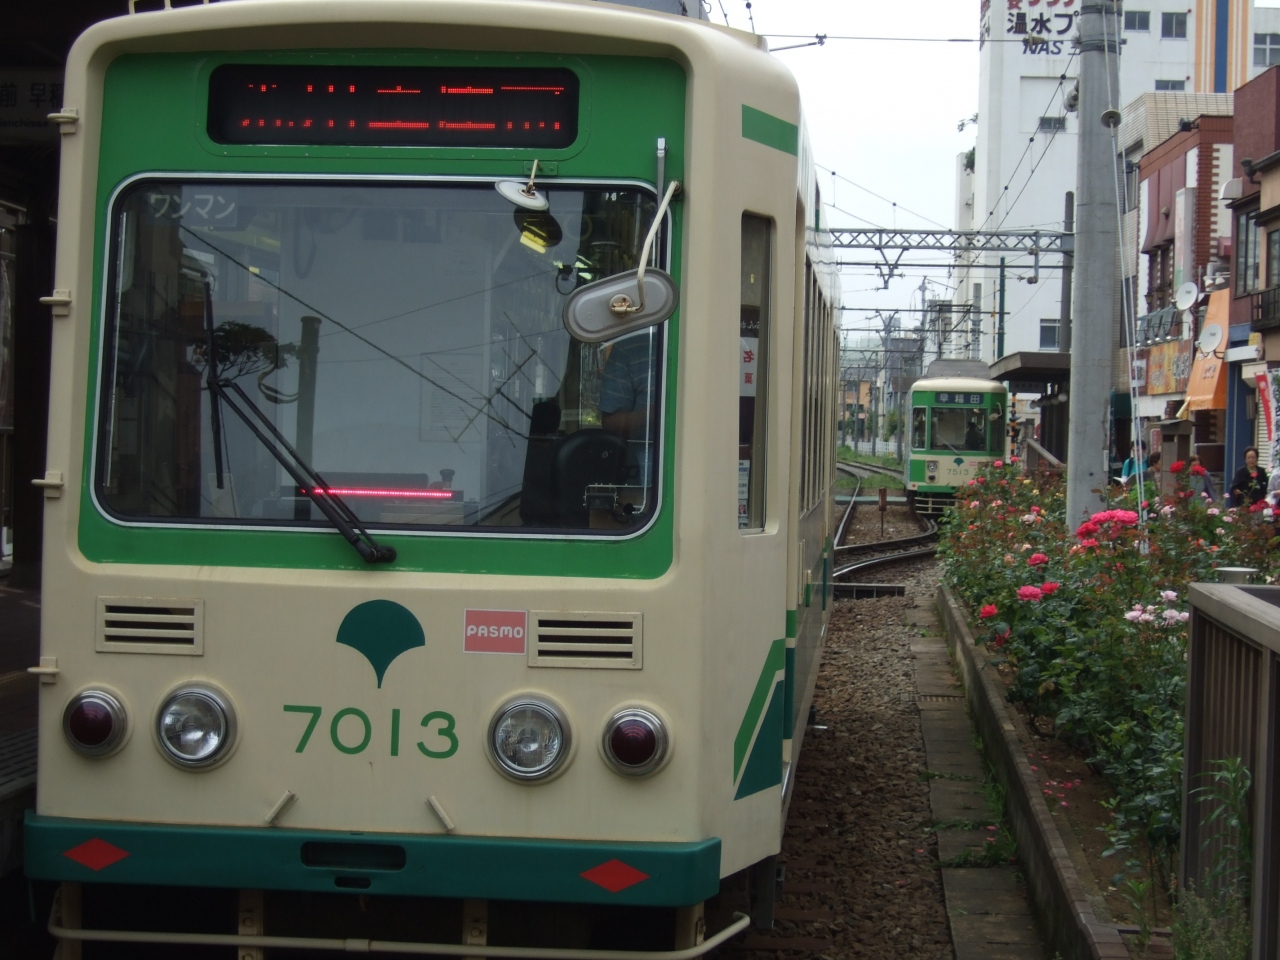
x=357, y=733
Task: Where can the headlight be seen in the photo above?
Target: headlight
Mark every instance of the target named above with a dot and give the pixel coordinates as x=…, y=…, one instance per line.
x=931, y=466
x=635, y=742
x=196, y=726
x=529, y=738
x=94, y=723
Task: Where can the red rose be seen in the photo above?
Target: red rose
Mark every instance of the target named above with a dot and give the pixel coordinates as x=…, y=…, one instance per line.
x=1177, y=466
x=1198, y=470
x=1037, y=559
x=988, y=611
x=1050, y=588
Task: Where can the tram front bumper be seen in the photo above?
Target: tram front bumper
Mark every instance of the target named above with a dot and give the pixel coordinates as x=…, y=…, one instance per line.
x=280, y=858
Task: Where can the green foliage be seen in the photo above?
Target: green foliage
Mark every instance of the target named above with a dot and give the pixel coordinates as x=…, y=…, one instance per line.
x=891, y=421
x=1094, y=626
x=1215, y=926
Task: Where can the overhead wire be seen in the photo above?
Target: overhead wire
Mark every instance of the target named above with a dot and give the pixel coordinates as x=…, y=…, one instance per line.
x=1004, y=192
x=821, y=38
x=879, y=197
x=847, y=213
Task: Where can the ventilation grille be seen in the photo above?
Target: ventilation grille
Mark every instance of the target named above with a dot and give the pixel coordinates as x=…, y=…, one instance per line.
x=600, y=640
x=149, y=625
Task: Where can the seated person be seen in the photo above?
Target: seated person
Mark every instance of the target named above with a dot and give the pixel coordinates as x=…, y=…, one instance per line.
x=626, y=394
x=974, y=435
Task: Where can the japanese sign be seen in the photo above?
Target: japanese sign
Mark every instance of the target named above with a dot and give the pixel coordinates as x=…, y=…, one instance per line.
x=748, y=366
x=959, y=399
x=1044, y=26
x=1168, y=367
x=27, y=97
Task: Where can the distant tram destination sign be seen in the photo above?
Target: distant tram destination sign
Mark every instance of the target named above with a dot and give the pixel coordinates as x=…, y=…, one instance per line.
x=958, y=399
x=393, y=106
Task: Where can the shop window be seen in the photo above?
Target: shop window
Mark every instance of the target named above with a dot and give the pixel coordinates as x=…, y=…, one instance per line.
x=1247, y=252
x=1273, y=258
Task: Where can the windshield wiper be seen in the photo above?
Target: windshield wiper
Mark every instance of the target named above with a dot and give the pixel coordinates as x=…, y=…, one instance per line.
x=309, y=482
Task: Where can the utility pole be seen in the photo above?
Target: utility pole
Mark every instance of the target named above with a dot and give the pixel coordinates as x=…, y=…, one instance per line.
x=1094, y=294
x=1000, y=324
x=1068, y=259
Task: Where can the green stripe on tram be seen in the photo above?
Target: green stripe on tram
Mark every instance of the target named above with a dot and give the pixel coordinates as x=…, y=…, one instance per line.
x=757, y=749
x=770, y=130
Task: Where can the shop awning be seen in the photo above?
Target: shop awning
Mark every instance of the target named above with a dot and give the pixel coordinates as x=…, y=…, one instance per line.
x=1207, y=386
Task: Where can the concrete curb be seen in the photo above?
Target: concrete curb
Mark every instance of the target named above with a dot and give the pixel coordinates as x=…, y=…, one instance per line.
x=1059, y=895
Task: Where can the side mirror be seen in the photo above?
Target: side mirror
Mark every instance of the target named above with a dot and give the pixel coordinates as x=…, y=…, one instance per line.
x=608, y=309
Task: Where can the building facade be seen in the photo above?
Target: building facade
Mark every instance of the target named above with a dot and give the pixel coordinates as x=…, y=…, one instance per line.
x=1024, y=160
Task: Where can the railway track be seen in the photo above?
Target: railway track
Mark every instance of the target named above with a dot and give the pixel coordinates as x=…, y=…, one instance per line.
x=847, y=572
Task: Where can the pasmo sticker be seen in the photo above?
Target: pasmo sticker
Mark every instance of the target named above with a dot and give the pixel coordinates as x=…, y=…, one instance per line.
x=495, y=631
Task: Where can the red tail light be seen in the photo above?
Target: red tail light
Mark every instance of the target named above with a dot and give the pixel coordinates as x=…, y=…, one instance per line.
x=94, y=723
x=635, y=742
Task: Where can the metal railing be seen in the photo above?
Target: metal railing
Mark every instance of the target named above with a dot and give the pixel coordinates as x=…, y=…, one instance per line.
x=1036, y=459
x=1233, y=696
x=1266, y=309
x=1159, y=325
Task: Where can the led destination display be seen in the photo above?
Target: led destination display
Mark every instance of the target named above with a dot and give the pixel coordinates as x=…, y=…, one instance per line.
x=393, y=106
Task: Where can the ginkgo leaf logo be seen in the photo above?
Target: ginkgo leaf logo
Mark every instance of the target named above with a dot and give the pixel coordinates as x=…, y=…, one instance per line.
x=381, y=630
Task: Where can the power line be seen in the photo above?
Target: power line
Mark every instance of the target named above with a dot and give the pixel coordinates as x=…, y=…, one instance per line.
x=821, y=38
x=879, y=197
x=1031, y=173
x=870, y=223
x=1062, y=79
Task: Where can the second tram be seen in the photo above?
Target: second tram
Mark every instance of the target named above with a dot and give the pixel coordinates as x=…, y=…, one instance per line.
x=957, y=425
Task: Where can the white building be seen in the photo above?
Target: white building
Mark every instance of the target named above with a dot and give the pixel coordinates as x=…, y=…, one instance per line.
x=1025, y=155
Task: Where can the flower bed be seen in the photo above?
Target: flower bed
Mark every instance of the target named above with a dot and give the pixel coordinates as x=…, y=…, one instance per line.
x=1093, y=624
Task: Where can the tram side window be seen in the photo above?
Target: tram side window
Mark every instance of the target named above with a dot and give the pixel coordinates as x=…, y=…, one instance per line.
x=919, y=420
x=753, y=340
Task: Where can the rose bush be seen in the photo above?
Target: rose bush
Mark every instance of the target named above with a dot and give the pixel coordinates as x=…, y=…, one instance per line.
x=1093, y=623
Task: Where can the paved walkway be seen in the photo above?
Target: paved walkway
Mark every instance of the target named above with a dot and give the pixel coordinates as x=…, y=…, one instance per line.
x=986, y=906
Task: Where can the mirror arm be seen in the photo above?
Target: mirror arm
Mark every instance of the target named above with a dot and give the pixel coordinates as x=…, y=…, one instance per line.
x=621, y=304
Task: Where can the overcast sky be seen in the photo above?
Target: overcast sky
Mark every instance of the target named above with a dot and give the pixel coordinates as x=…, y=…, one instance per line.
x=882, y=114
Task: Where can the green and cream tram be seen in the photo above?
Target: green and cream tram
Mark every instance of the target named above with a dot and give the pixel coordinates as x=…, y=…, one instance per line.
x=438, y=524
x=957, y=425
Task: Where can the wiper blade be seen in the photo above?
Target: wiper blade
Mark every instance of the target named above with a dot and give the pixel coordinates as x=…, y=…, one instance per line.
x=309, y=482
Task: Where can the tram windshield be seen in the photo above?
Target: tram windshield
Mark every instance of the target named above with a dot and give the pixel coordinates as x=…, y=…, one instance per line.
x=404, y=339
x=961, y=429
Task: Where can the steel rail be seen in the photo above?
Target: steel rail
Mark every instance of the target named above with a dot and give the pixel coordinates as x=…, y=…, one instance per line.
x=853, y=502
x=884, y=561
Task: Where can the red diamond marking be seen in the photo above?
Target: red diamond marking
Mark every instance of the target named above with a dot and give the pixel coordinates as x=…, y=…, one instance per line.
x=615, y=876
x=96, y=854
